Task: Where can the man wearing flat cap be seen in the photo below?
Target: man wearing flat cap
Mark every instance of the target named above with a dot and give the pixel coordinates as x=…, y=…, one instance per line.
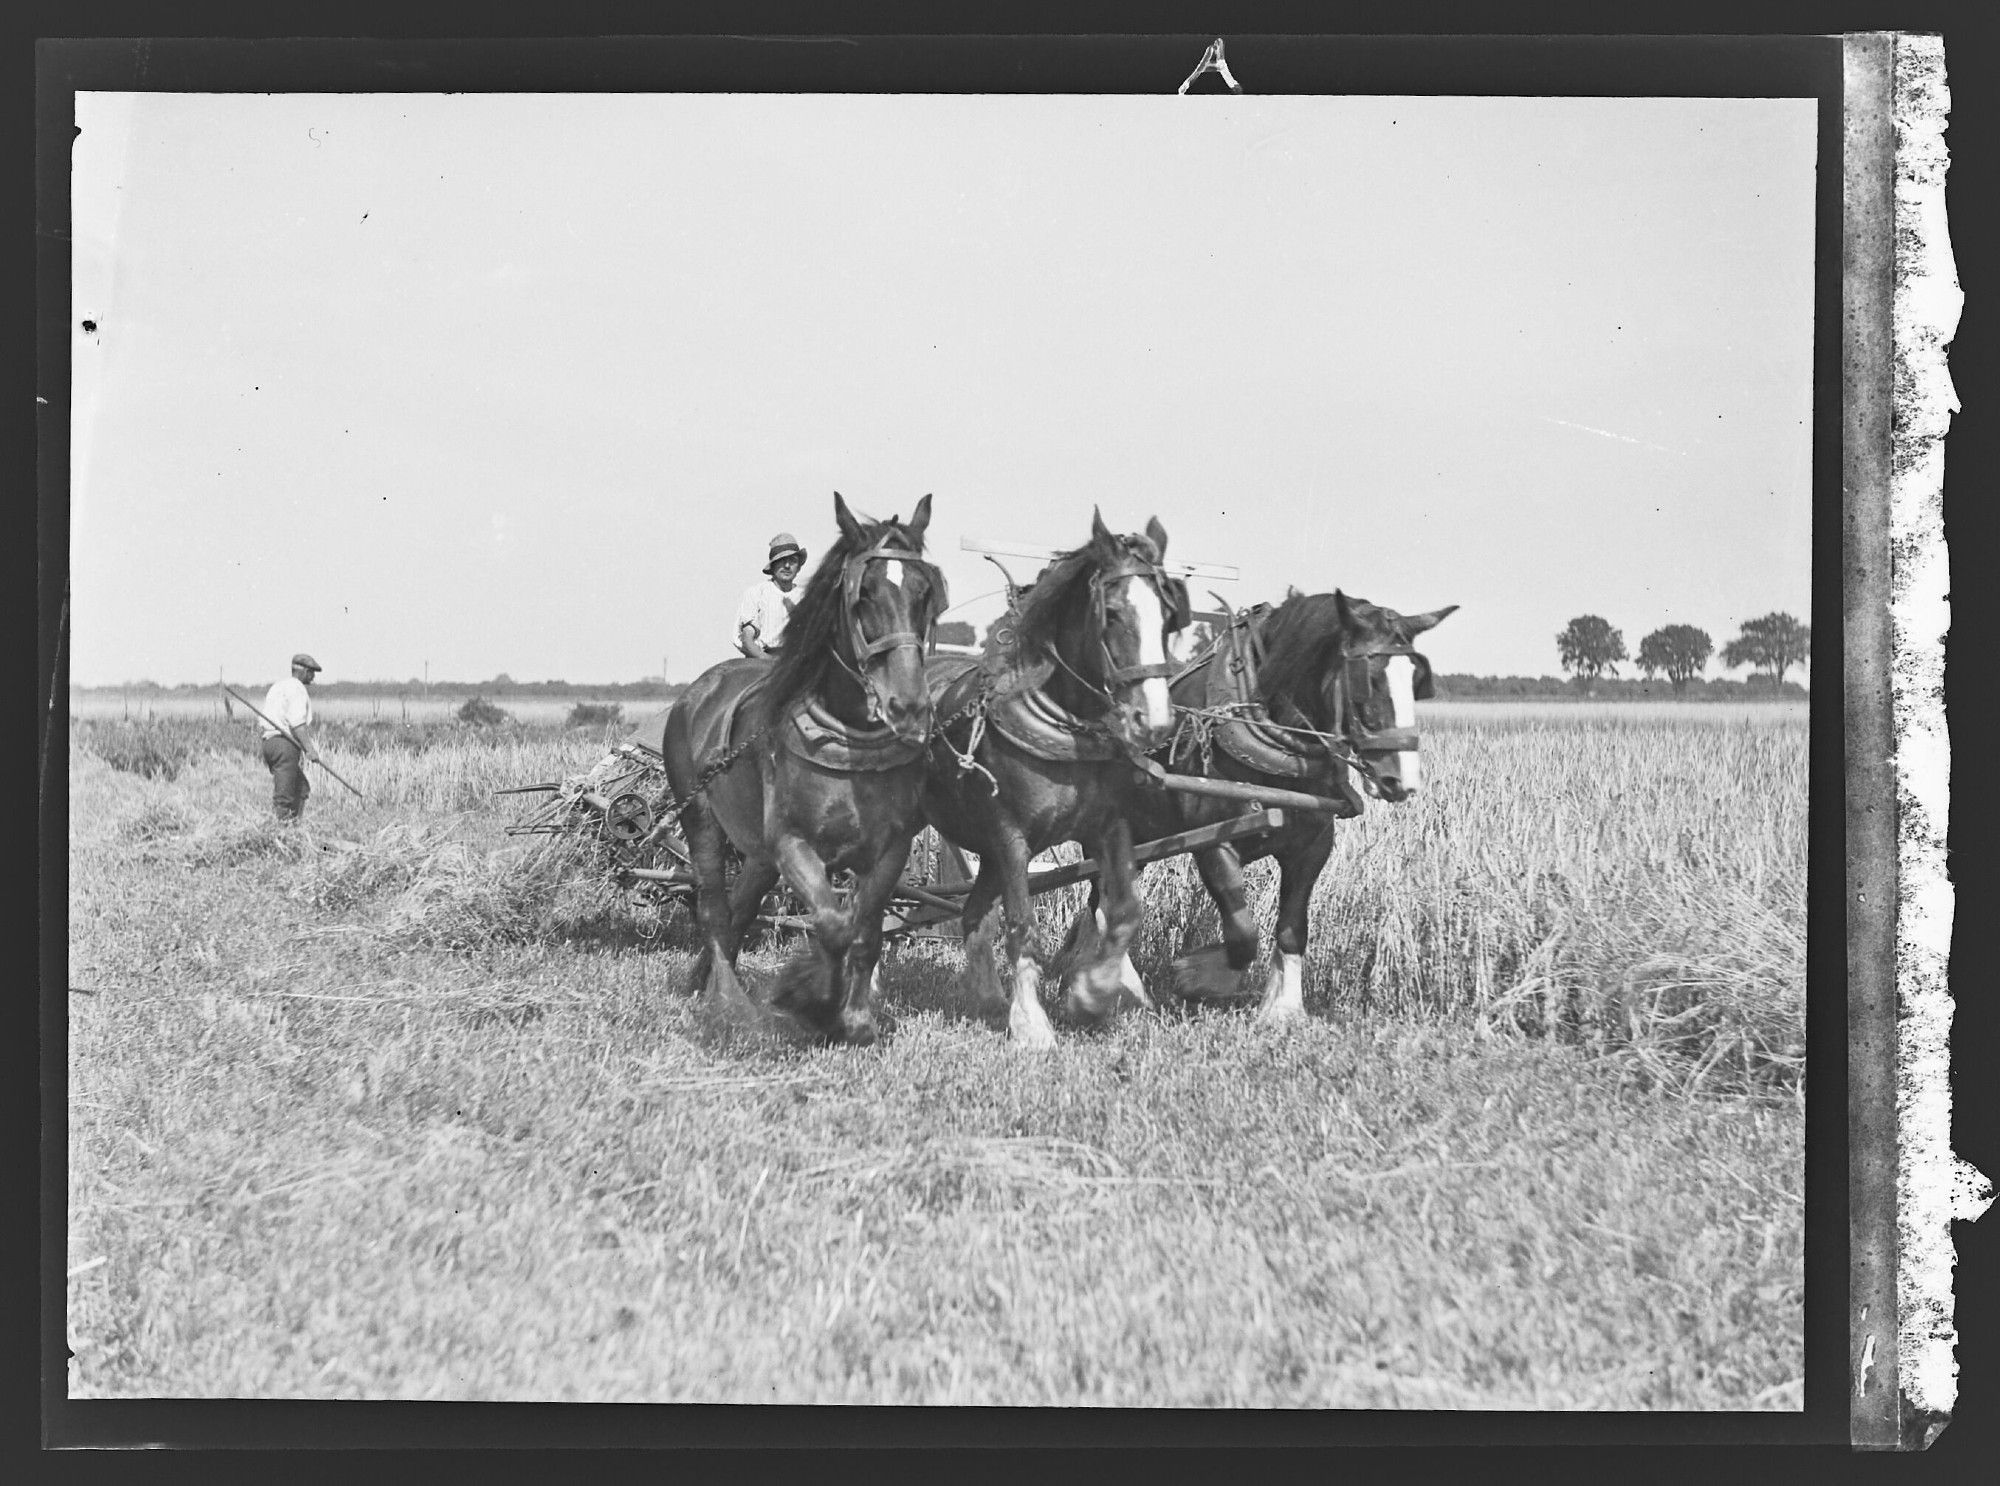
x=766, y=605
x=288, y=706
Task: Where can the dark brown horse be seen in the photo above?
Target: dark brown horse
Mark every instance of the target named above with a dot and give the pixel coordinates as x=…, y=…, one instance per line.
x=1035, y=744
x=1317, y=695
x=814, y=764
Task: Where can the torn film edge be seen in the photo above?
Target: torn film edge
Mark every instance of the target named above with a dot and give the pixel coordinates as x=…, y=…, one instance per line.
x=1933, y=1186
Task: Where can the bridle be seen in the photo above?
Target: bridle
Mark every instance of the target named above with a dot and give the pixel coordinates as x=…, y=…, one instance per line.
x=853, y=574
x=1172, y=594
x=1355, y=678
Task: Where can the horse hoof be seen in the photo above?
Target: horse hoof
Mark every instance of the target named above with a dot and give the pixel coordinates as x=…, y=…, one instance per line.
x=1032, y=1032
x=1280, y=1013
x=1205, y=975
x=859, y=1031
x=1284, y=993
x=1083, y=1002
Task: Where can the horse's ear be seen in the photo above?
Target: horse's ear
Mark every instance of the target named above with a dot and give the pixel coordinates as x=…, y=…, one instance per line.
x=849, y=527
x=1344, y=610
x=1416, y=624
x=1157, y=535
x=919, y=519
x=1100, y=534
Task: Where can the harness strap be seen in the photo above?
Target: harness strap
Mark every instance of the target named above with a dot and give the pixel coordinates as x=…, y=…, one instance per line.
x=1124, y=675
x=901, y=639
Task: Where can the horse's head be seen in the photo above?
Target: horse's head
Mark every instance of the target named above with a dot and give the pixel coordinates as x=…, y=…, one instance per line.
x=1134, y=606
x=889, y=600
x=1371, y=688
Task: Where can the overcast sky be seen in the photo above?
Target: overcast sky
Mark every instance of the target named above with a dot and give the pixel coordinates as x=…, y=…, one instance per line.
x=525, y=383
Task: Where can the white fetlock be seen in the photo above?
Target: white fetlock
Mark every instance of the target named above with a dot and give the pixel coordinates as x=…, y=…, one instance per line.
x=1027, y=1024
x=1129, y=982
x=1284, y=992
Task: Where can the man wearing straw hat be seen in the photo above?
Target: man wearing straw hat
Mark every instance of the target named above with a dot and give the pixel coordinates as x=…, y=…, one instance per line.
x=289, y=712
x=766, y=605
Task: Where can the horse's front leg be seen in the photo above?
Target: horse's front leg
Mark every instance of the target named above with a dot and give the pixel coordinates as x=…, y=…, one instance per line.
x=1086, y=935
x=1094, y=988
x=816, y=991
x=977, y=922
x=871, y=892
x=1027, y=1024
x=1218, y=970
x=1284, y=993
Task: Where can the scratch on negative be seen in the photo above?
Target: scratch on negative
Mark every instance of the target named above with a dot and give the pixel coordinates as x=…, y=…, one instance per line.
x=1606, y=433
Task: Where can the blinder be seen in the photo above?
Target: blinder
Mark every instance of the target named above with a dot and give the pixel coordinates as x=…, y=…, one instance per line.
x=1356, y=680
x=1174, y=597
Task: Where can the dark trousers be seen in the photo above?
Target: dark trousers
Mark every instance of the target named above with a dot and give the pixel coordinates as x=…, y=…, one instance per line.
x=289, y=785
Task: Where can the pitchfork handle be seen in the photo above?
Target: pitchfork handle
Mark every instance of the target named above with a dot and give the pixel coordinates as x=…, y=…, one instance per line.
x=293, y=740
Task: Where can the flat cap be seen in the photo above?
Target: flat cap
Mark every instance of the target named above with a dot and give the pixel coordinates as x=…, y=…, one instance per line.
x=302, y=659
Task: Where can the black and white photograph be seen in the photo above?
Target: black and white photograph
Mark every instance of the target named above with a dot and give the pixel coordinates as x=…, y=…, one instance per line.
x=941, y=748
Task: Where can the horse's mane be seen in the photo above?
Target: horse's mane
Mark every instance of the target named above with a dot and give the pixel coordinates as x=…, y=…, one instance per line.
x=816, y=620
x=1301, y=640
x=1045, y=606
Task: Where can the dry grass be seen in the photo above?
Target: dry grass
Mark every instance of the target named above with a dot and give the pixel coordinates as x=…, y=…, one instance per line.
x=1634, y=882
x=394, y=1106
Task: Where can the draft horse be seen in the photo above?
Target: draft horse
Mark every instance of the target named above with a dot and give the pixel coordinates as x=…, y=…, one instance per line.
x=1035, y=745
x=836, y=729
x=1310, y=696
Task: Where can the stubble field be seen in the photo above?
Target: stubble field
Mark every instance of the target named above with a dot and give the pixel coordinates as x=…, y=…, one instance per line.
x=392, y=1107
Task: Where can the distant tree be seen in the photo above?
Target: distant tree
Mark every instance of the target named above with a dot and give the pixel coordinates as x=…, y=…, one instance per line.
x=1775, y=642
x=956, y=632
x=1678, y=652
x=1589, y=647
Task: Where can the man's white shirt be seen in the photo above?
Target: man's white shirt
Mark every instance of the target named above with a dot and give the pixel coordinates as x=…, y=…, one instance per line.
x=288, y=703
x=765, y=605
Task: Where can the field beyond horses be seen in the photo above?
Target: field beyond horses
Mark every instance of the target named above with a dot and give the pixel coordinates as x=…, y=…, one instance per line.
x=396, y=1106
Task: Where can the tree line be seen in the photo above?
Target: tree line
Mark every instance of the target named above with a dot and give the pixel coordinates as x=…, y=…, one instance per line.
x=1590, y=646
